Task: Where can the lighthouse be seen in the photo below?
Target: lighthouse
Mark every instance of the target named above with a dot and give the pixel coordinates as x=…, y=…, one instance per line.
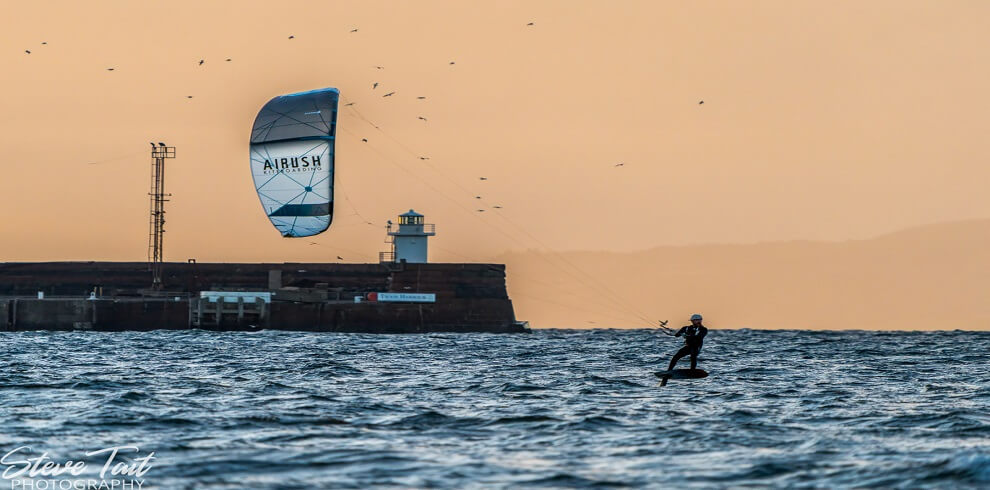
x=409, y=239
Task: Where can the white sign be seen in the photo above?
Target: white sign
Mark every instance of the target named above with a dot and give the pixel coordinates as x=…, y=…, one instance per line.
x=408, y=297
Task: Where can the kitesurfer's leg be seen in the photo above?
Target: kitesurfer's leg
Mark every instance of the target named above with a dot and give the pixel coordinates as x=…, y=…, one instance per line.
x=677, y=357
x=694, y=357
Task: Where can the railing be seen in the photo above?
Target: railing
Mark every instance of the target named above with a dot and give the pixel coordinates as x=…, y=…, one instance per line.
x=160, y=296
x=386, y=257
x=428, y=228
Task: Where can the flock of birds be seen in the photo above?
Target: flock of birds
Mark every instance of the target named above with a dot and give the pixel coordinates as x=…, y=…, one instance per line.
x=374, y=86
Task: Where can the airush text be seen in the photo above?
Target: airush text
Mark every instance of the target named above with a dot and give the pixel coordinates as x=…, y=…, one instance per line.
x=311, y=163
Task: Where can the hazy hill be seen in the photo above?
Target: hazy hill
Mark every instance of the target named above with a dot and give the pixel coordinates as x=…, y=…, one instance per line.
x=930, y=277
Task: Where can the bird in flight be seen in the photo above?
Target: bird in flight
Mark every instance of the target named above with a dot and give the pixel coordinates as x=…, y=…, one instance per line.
x=423, y=118
x=292, y=37
x=389, y=94
x=189, y=96
x=530, y=24
x=374, y=86
x=477, y=197
x=28, y=51
x=228, y=59
x=340, y=258
x=364, y=139
x=619, y=164
x=497, y=207
x=380, y=67
x=44, y=42
x=424, y=158
x=353, y=30
x=701, y=102
x=482, y=178
x=481, y=210
x=452, y=62
x=202, y=61
x=349, y=103
x=109, y=69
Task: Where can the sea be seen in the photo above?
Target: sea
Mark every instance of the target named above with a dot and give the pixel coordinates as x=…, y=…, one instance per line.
x=556, y=408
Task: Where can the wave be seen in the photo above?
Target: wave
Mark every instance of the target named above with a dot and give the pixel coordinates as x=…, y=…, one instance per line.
x=561, y=408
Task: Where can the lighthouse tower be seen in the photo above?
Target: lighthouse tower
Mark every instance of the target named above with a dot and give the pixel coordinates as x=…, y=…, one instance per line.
x=409, y=240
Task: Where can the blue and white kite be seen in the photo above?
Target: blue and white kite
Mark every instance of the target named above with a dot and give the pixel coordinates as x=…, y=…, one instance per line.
x=292, y=150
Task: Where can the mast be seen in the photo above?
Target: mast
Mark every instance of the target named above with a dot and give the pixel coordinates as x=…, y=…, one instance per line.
x=156, y=222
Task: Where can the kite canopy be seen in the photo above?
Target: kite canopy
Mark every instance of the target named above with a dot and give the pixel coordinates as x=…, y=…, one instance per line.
x=292, y=157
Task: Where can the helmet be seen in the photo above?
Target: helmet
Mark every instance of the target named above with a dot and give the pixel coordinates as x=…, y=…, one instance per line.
x=695, y=317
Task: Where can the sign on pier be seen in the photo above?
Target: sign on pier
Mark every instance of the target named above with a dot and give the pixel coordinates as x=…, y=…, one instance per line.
x=403, y=297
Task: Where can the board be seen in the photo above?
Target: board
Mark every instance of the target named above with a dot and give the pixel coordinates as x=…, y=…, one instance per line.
x=682, y=374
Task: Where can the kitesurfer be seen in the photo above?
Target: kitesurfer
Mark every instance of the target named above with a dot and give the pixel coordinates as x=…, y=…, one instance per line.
x=694, y=335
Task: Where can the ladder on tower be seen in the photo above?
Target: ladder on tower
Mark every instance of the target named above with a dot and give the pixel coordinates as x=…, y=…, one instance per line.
x=156, y=221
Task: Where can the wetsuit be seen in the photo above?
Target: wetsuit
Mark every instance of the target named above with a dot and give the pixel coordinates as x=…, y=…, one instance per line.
x=693, y=338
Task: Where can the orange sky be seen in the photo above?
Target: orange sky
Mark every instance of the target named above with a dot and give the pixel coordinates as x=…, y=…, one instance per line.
x=822, y=120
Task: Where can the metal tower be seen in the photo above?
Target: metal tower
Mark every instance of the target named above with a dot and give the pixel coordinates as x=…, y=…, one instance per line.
x=156, y=224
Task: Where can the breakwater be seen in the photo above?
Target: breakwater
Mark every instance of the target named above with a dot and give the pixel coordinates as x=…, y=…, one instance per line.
x=114, y=296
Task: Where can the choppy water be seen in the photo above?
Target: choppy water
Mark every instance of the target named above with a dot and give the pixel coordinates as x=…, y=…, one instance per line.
x=553, y=409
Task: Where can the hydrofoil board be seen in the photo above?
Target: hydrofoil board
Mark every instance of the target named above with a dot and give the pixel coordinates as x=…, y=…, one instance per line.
x=682, y=374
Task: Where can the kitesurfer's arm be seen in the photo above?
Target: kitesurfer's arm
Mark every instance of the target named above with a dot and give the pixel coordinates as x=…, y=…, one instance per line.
x=664, y=329
x=681, y=332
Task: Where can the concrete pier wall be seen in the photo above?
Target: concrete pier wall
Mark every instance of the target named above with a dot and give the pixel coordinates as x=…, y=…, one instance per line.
x=318, y=297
